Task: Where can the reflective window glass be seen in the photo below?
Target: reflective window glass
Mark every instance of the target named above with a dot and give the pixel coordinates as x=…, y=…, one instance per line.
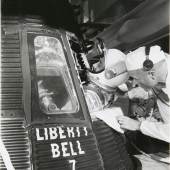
x=56, y=91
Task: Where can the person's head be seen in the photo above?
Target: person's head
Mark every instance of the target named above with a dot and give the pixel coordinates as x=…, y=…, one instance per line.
x=115, y=72
x=147, y=78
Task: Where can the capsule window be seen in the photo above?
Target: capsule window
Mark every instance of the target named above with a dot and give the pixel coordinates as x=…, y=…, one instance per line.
x=55, y=88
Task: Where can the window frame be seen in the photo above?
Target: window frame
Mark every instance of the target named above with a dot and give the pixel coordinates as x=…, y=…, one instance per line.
x=36, y=115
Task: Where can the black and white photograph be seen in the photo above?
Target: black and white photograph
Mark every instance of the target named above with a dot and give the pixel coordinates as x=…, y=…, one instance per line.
x=85, y=85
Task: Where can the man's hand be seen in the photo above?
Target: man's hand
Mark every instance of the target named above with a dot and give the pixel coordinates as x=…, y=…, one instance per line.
x=139, y=93
x=128, y=123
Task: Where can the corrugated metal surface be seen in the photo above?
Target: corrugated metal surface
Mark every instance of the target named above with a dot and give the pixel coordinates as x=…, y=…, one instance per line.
x=112, y=147
x=43, y=160
x=11, y=82
x=15, y=139
x=12, y=130
x=14, y=134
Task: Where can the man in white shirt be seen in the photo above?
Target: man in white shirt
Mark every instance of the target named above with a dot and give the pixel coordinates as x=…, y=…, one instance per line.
x=152, y=72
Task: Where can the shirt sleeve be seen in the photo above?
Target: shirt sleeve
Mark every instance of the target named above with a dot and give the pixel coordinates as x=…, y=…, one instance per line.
x=159, y=130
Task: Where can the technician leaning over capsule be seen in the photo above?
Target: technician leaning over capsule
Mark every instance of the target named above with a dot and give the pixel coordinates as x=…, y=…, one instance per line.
x=154, y=79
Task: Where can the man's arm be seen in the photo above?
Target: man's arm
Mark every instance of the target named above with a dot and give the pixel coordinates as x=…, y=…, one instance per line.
x=158, y=130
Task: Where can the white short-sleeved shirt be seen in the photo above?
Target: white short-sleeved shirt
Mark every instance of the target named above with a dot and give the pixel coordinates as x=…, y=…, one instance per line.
x=160, y=130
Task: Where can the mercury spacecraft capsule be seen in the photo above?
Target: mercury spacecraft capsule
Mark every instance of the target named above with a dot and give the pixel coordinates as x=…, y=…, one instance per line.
x=45, y=123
